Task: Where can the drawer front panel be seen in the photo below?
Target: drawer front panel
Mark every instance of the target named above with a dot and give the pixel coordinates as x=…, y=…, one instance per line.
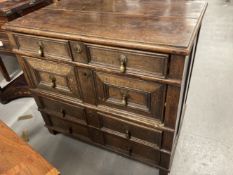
x=63, y=110
x=130, y=130
x=44, y=47
x=129, y=61
x=132, y=149
x=52, y=76
x=138, y=96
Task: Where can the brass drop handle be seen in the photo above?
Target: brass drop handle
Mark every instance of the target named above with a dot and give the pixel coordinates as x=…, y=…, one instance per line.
x=63, y=112
x=78, y=48
x=130, y=150
x=123, y=60
x=53, y=80
x=124, y=100
x=127, y=134
x=41, y=49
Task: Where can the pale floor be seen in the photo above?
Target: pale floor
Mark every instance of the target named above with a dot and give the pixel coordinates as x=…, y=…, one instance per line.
x=205, y=144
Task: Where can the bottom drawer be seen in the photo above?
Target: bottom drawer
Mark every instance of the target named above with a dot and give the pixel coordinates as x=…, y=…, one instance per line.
x=132, y=149
x=130, y=130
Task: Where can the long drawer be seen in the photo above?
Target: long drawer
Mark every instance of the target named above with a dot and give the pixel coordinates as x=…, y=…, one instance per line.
x=114, y=142
x=132, y=149
x=129, y=130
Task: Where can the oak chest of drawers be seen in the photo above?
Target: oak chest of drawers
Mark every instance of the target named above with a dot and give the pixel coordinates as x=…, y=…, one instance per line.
x=112, y=73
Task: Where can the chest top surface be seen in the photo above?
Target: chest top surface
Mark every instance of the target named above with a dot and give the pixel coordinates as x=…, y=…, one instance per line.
x=9, y=6
x=164, y=26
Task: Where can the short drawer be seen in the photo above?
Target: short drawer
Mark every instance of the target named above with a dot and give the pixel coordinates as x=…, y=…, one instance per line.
x=132, y=149
x=129, y=130
x=63, y=110
x=51, y=76
x=43, y=47
x=130, y=94
x=128, y=61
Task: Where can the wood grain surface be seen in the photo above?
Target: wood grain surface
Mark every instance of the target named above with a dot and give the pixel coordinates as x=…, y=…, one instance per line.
x=149, y=25
x=18, y=158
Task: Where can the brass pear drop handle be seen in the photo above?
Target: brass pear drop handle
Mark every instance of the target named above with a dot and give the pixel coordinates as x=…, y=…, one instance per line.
x=53, y=80
x=41, y=49
x=123, y=60
x=124, y=99
x=127, y=133
x=78, y=48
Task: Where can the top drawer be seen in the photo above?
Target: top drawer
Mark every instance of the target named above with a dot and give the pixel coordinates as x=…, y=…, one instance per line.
x=43, y=47
x=122, y=60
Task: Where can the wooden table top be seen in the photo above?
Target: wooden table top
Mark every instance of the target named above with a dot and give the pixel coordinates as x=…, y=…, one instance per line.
x=164, y=26
x=18, y=158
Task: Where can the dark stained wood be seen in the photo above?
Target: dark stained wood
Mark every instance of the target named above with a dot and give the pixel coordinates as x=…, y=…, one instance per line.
x=113, y=73
x=17, y=157
x=10, y=10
